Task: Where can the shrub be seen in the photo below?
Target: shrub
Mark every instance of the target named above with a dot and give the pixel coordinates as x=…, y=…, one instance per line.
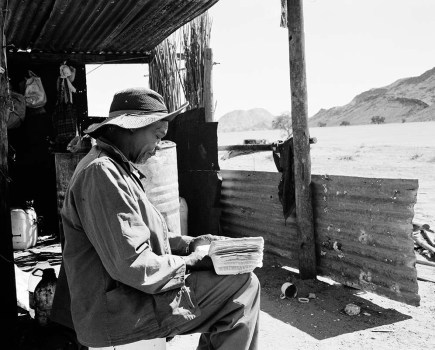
x=378, y=120
x=283, y=122
x=344, y=123
x=321, y=125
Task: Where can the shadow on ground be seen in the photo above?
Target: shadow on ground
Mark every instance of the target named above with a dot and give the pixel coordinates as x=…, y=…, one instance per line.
x=46, y=249
x=322, y=317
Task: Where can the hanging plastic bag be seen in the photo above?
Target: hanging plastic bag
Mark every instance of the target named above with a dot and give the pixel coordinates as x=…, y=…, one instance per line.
x=34, y=92
x=17, y=110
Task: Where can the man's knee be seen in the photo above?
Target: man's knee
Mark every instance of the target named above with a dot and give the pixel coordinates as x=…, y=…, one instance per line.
x=245, y=281
x=255, y=281
x=249, y=291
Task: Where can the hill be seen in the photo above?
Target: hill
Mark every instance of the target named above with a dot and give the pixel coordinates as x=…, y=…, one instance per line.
x=244, y=120
x=406, y=100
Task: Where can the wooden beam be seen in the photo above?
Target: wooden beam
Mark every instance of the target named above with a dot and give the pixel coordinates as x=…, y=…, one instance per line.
x=255, y=147
x=8, y=303
x=208, y=85
x=301, y=140
x=80, y=58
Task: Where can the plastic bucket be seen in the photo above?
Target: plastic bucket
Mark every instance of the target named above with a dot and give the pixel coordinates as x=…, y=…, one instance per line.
x=24, y=228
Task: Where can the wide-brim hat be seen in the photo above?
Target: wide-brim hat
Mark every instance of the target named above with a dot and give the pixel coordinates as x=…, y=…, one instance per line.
x=136, y=108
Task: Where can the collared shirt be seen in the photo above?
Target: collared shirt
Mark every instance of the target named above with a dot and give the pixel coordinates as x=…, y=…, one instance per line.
x=117, y=255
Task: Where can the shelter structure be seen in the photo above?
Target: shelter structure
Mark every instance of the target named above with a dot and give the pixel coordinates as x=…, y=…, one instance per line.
x=354, y=230
x=39, y=36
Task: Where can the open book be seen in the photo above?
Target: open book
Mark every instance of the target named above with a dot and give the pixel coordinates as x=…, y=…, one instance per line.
x=236, y=255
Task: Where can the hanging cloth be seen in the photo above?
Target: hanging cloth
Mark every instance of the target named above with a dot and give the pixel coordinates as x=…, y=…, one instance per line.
x=284, y=162
x=65, y=115
x=65, y=86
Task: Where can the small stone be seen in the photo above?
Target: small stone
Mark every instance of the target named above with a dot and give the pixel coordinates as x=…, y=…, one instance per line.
x=352, y=309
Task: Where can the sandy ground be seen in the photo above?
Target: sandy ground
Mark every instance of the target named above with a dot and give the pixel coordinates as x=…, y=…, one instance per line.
x=383, y=324
x=388, y=151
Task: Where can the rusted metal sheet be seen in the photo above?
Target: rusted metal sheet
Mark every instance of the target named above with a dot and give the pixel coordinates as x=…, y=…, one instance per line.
x=96, y=27
x=251, y=207
x=363, y=232
x=362, y=227
x=201, y=189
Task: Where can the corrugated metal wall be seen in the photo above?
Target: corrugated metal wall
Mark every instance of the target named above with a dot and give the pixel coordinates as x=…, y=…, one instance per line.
x=96, y=27
x=251, y=207
x=363, y=230
x=362, y=227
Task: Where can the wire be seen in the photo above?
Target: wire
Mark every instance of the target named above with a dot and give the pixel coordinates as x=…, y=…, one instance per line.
x=94, y=69
x=112, y=61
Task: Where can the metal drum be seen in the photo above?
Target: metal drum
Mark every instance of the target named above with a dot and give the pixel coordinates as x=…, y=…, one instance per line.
x=161, y=183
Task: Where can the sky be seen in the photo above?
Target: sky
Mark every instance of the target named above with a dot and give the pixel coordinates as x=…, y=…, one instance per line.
x=350, y=46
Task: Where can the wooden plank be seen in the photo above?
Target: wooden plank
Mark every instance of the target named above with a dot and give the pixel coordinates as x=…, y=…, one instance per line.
x=80, y=57
x=425, y=272
x=8, y=315
x=425, y=269
x=301, y=140
x=208, y=85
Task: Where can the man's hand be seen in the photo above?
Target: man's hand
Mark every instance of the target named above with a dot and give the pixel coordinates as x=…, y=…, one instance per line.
x=197, y=261
x=203, y=240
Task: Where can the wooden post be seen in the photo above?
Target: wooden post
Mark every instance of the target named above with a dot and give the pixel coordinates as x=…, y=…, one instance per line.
x=301, y=140
x=8, y=303
x=208, y=85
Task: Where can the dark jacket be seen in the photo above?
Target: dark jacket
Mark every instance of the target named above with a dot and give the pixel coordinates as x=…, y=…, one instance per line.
x=118, y=255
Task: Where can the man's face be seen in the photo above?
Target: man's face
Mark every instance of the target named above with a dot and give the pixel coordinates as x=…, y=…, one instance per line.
x=145, y=140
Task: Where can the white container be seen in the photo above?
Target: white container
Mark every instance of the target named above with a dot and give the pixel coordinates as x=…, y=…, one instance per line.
x=24, y=228
x=161, y=183
x=183, y=217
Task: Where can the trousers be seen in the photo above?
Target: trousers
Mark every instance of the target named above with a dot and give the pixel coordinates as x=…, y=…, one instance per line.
x=229, y=318
x=138, y=345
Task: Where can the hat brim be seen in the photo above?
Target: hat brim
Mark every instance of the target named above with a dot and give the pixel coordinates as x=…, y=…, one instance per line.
x=135, y=119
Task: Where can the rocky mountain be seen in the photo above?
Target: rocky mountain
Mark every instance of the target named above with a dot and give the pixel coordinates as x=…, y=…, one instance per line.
x=244, y=120
x=406, y=100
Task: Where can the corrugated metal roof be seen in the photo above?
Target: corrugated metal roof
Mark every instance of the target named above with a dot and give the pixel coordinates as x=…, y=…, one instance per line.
x=97, y=26
x=363, y=227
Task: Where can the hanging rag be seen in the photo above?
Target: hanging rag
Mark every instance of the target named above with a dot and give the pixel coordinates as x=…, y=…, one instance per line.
x=65, y=86
x=284, y=162
x=65, y=114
